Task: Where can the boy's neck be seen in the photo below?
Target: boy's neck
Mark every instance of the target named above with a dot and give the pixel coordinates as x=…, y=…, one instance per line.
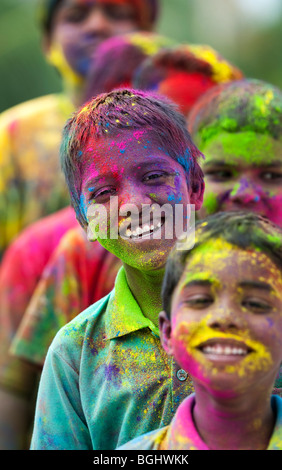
x=146, y=289
x=242, y=423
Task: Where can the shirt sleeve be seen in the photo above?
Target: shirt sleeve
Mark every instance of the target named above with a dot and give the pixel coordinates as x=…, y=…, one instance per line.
x=57, y=299
x=9, y=197
x=59, y=423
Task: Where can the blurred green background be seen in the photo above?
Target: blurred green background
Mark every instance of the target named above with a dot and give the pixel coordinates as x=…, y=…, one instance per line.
x=247, y=32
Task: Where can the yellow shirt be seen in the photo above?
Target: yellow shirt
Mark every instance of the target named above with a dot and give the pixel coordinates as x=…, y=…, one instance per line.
x=31, y=182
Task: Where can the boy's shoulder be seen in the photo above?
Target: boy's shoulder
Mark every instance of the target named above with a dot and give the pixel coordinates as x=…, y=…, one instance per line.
x=31, y=109
x=149, y=441
x=69, y=340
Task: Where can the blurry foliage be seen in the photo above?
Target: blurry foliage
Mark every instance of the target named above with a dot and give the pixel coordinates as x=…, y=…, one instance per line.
x=25, y=74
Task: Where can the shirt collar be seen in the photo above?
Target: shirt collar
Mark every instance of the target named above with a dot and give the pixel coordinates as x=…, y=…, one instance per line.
x=182, y=433
x=275, y=442
x=186, y=437
x=123, y=314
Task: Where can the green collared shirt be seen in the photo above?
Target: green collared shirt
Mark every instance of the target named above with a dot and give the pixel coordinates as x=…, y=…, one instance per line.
x=106, y=378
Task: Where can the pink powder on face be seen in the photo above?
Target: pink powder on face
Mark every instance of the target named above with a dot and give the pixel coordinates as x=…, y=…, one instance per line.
x=274, y=212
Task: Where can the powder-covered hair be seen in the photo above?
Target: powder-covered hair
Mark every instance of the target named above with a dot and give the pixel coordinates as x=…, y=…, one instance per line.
x=116, y=59
x=184, y=72
x=147, y=12
x=245, y=230
x=243, y=105
x=119, y=111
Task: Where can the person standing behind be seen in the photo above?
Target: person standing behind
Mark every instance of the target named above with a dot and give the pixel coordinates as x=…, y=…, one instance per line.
x=31, y=185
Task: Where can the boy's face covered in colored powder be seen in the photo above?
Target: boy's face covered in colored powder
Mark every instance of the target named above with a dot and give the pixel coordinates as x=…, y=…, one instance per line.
x=226, y=319
x=79, y=26
x=132, y=169
x=243, y=171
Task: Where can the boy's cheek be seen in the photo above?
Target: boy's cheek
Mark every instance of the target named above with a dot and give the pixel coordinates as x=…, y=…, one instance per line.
x=274, y=212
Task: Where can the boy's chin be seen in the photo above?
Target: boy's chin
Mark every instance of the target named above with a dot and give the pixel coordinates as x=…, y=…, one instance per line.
x=144, y=258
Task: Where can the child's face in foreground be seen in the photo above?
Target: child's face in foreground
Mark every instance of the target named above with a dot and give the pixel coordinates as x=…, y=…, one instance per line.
x=133, y=168
x=81, y=25
x=243, y=171
x=226, y=319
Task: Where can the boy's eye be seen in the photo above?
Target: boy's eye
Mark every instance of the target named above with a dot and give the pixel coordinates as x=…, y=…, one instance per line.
x=220, y=174
x=103, y=193
x=257, y=305
x=199, y=301
x=154, y=176
x=76, y=15
x=271, y=176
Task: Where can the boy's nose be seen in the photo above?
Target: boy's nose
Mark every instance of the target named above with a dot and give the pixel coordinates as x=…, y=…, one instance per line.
x=97, y=22
x=225, y=318
x=245, y=192
x=134, y=194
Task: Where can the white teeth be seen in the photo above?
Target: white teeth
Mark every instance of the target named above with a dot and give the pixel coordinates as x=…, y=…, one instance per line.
x=141, y=230
x=224, y=350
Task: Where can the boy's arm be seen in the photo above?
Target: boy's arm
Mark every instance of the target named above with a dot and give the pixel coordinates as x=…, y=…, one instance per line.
x=59, y=423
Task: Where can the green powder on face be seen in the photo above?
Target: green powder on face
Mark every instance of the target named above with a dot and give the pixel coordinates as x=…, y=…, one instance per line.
x=210, y=203
x=252, y=148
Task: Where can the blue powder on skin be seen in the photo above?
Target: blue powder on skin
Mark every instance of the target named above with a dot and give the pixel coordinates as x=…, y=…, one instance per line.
x=171, y=197
x=83, y=205
x=184, y=161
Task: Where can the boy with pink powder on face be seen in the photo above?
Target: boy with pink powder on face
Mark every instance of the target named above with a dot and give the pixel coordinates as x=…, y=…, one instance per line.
x=105, y=370
x=222, y=321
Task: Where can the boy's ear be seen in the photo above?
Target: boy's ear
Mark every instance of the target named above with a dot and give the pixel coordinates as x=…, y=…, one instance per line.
x=197, y=193
x=165, y=332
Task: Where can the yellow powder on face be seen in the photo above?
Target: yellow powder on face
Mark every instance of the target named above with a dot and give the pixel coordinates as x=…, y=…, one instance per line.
x=57, y=59
x=197, y=333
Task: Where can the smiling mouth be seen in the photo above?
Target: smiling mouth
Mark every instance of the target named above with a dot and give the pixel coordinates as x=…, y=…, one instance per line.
x=143, y=231
x=219, y=349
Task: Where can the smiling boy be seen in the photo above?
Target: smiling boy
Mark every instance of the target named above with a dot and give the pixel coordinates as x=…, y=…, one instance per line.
x=222, y=323
x=106, y=378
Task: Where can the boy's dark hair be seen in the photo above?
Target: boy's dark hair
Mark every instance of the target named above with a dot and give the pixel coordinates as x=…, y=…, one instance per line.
x=146, y=11
x=242, y=105
x=184, y=72
x=246, y=230
x=123, y=110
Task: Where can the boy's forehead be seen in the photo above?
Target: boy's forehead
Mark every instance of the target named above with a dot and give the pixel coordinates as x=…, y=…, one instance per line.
x=250, y=147
x=217, y=256
x=127, y=149
x=124, y=142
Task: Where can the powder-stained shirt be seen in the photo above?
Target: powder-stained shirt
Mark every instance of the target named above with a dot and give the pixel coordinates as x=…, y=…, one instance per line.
x=106, y=378
x=31, y=182
x=21, y=268
x=167, y=438
x=78, y=274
